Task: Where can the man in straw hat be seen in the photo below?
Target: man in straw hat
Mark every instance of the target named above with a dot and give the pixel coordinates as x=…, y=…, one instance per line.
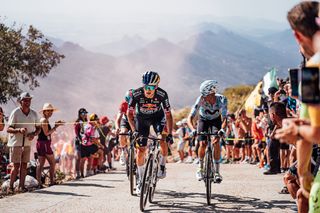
x=23, y=127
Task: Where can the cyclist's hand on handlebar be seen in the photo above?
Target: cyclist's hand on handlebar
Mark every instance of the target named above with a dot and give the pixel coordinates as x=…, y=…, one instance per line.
x=169, y=139
x=135, y=134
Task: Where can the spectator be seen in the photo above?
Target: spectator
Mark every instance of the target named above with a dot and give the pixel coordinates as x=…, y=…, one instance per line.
x=104, y=132
x=1, y=119
x=23, y=127
x=79, y=131
x=277, y=113
x=89, y=144
x=183, y=135
x=44, y=142
x=303, y=21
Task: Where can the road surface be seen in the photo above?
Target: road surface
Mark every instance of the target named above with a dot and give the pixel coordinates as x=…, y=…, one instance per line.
x=244, y=189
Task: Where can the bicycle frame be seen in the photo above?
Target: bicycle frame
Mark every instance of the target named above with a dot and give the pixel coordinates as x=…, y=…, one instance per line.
x=150, y=177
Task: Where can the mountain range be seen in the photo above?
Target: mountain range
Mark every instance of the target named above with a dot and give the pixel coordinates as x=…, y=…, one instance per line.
x=97, y=79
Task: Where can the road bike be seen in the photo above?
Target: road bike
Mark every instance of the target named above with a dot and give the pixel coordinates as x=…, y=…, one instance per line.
x=150, y=177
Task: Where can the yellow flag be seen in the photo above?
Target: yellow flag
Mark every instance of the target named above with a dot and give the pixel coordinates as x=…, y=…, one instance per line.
x=254, y=99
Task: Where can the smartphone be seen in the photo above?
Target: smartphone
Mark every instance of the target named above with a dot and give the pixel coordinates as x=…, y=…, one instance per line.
x=294, y=81
x=310, y=92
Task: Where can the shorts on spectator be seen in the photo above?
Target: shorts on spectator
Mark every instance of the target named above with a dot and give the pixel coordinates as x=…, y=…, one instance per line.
x=20, y=154
x=87, y=151
x=284, y=146
x=262, y=145
x=44, y=148
x=181, y=145
x=238, y=144
x=229, y=142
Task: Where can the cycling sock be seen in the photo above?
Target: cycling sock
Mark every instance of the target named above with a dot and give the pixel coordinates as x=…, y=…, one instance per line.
x=140, y=172
x=217, y=167
x=201, y=163
x=163, y=160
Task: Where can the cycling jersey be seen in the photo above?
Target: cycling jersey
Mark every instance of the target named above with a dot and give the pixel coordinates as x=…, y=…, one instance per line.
x=209, y=111
x=149, y=107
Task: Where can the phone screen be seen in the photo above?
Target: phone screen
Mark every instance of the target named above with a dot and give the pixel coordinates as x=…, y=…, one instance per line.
x=310, y=85
x=294, y=81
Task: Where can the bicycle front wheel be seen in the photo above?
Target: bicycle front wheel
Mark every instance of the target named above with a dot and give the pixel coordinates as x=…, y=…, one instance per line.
x=131, y=168
x=146, y=183
x=154, y=178
x=208, y=175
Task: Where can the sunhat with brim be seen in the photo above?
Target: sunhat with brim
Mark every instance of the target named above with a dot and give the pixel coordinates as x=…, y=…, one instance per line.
x=48, y=106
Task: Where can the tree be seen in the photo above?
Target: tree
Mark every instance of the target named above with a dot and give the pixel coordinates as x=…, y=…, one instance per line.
x=23, y=59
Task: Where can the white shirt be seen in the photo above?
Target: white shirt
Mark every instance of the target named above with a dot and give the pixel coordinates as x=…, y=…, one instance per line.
x=18, y=119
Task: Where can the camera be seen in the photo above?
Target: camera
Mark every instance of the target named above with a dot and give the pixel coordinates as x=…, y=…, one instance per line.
x=294, y=81
x=309, y=90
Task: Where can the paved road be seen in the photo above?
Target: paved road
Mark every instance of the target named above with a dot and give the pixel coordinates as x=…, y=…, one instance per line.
x=244, y=189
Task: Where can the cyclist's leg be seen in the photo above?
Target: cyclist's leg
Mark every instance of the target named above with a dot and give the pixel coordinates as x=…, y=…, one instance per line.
x=216, y=126
x=158, y=127
x=202, y=127
x=143, y=128
x=123, y=139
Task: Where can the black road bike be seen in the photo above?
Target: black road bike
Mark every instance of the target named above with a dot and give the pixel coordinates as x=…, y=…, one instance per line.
x=209, y=170
x=150, y=177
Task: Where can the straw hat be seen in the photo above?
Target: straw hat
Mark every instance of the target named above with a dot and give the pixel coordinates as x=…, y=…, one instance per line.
x=48, y=106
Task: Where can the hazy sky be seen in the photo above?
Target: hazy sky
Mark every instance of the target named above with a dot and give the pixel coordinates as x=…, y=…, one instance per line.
x=69, y=18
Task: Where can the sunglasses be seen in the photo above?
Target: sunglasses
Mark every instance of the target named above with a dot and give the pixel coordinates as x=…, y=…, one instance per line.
x=149, y=87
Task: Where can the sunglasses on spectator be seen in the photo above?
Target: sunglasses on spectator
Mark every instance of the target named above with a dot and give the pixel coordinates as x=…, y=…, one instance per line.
x=149, y=87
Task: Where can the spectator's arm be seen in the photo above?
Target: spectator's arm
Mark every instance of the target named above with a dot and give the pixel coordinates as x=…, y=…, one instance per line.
x=118, y=120
x=304, y=152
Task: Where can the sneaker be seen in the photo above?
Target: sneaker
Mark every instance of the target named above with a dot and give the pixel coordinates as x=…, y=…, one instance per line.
x=78, y=176
x=196, y=161
x=10, y=191
x=138, y=188
x=266, y=167
x=217, y=178
x=199, y=175
x=189, y=160
x=179, y=161
x=162, y=173
x=226, y=161
x=122, y=159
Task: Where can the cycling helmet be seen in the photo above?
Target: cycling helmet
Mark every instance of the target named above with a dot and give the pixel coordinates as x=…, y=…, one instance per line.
x=128, y=95
x=208, y=87
x=150, y=78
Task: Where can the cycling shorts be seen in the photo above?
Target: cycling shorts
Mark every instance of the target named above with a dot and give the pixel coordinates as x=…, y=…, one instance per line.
x=143, y=127
x=205, y=125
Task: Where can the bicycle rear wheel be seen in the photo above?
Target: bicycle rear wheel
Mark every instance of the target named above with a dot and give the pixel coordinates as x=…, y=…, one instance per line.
x=131, y=168
x=146, y=182
x=154, y=178
x=208, y=175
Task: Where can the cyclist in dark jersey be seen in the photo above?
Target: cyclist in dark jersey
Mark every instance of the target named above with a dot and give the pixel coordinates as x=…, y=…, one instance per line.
x=152, y=108
x=122, y=125
x=212, y=108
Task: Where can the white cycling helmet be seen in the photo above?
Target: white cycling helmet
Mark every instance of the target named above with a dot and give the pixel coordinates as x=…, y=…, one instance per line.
x=208, y=87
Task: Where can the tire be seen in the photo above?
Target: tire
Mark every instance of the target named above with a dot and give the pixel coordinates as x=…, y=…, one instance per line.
x=131, y=169
x=154, y=178
x=146, y=183
x=208, y=175
x=128, y=164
